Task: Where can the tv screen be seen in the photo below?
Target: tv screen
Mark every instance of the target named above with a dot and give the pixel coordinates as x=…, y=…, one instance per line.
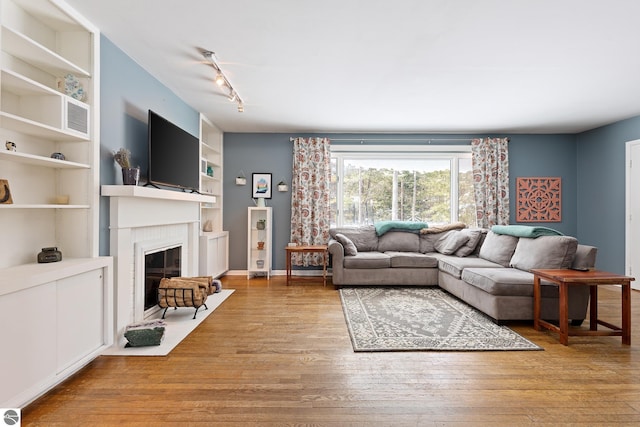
x=174, y=155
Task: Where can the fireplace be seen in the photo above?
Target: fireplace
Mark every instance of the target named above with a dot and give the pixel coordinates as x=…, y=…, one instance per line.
x=159, y=264
x=134, y=233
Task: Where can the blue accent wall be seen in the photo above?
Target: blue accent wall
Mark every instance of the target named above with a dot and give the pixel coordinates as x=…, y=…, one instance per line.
x=591, y=164
x=601, y=190
x=127, y=93
x=529, y=155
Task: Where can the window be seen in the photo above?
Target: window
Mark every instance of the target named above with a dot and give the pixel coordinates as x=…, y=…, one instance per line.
x=433, y=184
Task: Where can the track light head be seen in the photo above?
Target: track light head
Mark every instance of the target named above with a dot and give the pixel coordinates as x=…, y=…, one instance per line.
x=222, y=80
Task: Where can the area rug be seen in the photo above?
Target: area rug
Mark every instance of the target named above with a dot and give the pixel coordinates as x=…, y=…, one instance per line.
x=412, y=319
x=180, y=323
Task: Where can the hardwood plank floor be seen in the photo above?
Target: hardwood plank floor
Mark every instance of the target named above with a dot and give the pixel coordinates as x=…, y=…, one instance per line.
x=281, y=355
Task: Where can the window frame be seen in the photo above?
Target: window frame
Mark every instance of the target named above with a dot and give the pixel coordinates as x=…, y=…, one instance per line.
x=452, y=153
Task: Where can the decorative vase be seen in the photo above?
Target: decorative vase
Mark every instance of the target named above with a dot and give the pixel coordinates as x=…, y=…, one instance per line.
x=130, y=176
x=260, y=246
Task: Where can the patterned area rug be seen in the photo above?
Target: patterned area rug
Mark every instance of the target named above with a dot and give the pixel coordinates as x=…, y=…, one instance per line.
x=410, y=319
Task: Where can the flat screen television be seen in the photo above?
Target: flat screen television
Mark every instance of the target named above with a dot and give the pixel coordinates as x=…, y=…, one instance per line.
x=174, y=155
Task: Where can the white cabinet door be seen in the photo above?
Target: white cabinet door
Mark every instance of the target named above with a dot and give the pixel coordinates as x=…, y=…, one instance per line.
x=80, y=316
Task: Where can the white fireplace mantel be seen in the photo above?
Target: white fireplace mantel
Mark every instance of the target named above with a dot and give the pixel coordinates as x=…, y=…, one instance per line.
x=142, y=216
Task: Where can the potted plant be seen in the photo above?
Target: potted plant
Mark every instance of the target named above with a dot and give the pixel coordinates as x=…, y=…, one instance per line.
x=130, y=175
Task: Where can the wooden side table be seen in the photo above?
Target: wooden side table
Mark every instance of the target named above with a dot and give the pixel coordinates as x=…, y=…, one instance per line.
x=323, y=249
x=592, y=278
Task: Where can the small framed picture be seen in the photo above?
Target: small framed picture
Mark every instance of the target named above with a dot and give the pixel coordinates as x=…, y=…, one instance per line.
x=5, y=193
x=261, y=188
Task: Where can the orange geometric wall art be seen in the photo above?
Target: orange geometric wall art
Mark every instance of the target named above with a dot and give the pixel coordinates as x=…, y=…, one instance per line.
x=538, y=199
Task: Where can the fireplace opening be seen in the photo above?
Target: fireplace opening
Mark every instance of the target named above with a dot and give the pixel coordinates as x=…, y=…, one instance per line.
x=158, y=265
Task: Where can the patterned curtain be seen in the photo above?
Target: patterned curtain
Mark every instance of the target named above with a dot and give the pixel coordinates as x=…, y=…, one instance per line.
x=490, y=160
x=310, y=186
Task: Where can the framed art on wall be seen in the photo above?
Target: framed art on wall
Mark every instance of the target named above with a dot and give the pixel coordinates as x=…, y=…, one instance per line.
x=261, y=188
x=539, y=199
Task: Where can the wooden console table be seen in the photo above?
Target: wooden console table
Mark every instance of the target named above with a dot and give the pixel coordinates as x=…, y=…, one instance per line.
x=323, y=249
x=592, y=278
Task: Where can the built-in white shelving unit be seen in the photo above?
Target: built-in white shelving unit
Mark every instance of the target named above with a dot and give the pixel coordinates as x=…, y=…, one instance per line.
x=56, y=316
x=214, y=241
x=259, y=256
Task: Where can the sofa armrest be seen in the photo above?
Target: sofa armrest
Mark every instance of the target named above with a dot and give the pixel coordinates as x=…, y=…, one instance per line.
x=337, y=261
x=585, y=257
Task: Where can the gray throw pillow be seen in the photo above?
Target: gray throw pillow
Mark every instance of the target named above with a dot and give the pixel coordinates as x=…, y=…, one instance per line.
x=468, y=248
x=498, y=248
x=451, y=242
x=349, y=247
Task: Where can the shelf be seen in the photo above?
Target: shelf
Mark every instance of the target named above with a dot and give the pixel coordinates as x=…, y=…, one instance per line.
x=23, y=86
x=30, y=51
x=154, y=193
x=32, y=159
x=31, y=127
x=209, y=148
x=43, y=206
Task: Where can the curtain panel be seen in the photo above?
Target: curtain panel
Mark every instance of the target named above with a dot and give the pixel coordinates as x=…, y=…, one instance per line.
x=310, y=186
x=490, y=162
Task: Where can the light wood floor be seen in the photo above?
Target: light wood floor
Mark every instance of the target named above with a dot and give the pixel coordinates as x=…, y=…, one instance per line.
x=278, y=355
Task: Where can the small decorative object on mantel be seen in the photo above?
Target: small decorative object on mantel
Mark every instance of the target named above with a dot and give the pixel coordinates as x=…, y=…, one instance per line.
x=130, y=175
x=5, y=193
x=11, y=146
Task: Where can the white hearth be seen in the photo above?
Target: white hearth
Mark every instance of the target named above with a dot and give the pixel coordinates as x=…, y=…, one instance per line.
x=144, y=219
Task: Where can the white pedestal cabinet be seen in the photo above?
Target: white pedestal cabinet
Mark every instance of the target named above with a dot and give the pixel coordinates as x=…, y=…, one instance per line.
x=259, y=241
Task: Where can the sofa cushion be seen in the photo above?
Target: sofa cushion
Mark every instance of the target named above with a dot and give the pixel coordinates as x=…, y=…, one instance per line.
x=498, y=248
x=368, y=260
x=398, y=241
x=544, y=252
x=364, y=237
x=507, y=282
x=474, y=237
x=451, y=242
x=349, y=246
x=454, y=265
x=428, y=241
x=412, y=260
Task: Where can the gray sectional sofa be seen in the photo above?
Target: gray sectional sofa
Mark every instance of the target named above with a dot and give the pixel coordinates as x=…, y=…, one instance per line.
x=486, y=269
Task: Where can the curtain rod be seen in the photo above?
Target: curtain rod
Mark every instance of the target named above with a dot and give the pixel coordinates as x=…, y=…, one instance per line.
x=428, y=140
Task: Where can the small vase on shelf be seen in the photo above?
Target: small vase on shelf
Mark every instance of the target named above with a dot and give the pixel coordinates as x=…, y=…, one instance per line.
x=130, y=176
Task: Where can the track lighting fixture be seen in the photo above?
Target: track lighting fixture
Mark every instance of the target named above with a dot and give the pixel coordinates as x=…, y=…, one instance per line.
x=222, y=80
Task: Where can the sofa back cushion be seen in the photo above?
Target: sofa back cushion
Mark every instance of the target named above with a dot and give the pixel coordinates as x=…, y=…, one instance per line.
x=544, y=252
x=364, y=238
x=399, y=241
x=498, y=248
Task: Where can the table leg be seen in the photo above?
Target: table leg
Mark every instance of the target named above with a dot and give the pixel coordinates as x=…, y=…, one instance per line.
x=564, y=314
x=536, y=303
x=626, y=313
x=593, y=307
x=288, y=267
x=324, y=267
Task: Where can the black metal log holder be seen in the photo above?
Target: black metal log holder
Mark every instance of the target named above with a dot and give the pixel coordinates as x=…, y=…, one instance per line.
x=178, y=297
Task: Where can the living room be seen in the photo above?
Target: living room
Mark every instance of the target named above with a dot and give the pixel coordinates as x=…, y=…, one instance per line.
x=590, y=163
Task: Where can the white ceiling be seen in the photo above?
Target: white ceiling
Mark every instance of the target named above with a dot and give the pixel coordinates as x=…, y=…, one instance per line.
x=423, y=66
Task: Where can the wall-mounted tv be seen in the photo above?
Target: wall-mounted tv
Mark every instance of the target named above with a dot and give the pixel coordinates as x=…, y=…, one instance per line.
x=174, y=155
